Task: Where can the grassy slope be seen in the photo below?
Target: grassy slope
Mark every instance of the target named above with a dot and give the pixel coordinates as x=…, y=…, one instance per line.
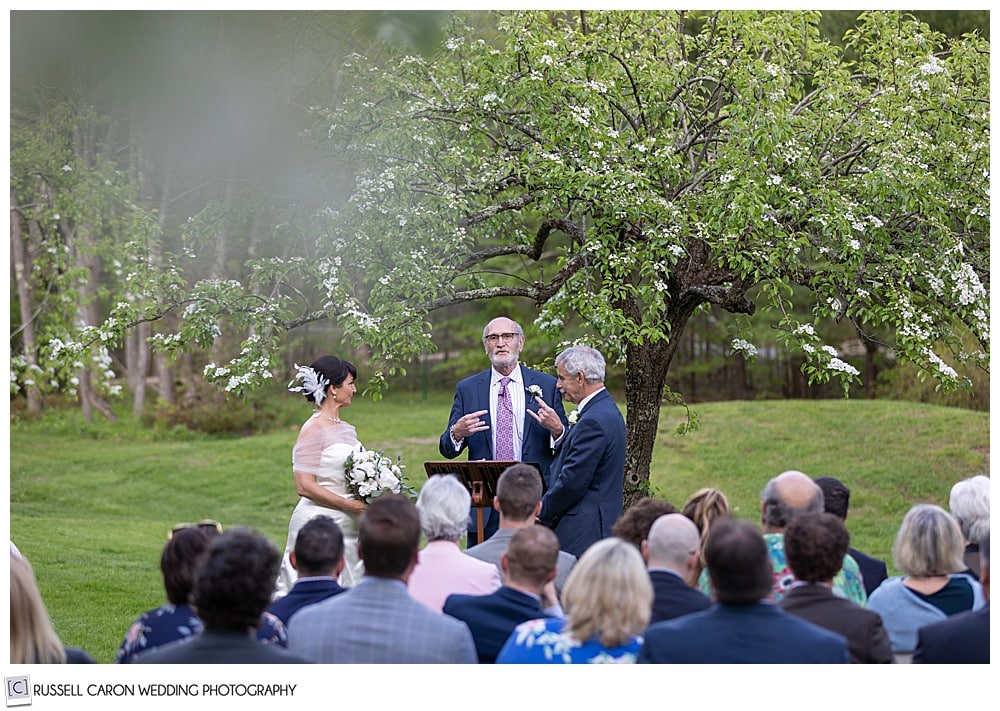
x=90, y=506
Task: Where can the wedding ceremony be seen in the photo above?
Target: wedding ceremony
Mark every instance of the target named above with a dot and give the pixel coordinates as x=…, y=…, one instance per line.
x=500, y=338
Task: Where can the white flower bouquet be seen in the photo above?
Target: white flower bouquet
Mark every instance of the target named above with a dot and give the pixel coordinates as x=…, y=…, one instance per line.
x=370, y=474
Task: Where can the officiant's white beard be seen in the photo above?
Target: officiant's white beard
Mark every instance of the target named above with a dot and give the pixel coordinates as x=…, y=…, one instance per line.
x=505, y=362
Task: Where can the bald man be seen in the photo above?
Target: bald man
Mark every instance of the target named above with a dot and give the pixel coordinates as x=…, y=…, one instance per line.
x=784, y=497
x=671, y=554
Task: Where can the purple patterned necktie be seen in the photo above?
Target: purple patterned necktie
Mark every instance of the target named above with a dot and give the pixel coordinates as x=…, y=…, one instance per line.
x=505, y=424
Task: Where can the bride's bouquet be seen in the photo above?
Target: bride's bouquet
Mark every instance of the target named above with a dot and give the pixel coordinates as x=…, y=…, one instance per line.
x=370, y=474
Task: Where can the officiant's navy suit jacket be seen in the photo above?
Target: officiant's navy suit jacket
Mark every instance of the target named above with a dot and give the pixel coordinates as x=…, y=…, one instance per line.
x=472, y=394
x=585, y=497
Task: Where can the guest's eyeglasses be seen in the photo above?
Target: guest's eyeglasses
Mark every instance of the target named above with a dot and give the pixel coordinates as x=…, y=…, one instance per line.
x=205, y=525
x=495, y=337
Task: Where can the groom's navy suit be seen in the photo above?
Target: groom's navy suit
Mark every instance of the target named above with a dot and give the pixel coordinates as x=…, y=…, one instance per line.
x=473, y=394
x=585, y=497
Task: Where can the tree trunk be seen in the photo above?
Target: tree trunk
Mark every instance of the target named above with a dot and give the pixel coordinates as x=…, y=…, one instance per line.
x=164, y=376
x=21, y=271
x=84, y=247
x=871, y=370
x=738, y=377
x=142, y=333
x=645, y=376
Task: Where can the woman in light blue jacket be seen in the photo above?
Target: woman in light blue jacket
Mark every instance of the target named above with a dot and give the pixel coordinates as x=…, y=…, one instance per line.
x=928, y=549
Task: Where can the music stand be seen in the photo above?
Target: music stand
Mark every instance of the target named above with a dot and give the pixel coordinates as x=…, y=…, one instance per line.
x=480, y=478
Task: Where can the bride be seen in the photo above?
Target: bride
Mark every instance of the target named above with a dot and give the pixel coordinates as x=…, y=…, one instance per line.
x=318, y=458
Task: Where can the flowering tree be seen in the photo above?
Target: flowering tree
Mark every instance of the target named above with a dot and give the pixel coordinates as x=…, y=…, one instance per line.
x=630, y=167
x=638, y=171
x=75, y=222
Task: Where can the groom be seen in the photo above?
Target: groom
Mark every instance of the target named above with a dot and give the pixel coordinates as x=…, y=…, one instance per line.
x=584, y=498
x=524, y=428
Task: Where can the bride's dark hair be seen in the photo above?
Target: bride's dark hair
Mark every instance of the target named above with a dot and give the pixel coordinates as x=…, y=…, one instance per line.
x=334, y=370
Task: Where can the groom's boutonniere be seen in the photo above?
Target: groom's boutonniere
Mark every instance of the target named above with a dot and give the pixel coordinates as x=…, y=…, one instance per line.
x=573, y=417
x=534, y=390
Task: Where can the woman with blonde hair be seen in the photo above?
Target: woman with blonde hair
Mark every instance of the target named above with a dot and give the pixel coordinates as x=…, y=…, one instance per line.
x=33, y=640
x=928, y=549
x=704, y=507
x=607, y=600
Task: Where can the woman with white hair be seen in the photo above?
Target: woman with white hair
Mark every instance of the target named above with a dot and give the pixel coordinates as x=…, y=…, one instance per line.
x=442, y=567
x=608, y=601
x=970, y=505
x=928, y=549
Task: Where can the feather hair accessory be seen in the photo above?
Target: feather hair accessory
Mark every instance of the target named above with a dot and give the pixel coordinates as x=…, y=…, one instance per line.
x=312, y=383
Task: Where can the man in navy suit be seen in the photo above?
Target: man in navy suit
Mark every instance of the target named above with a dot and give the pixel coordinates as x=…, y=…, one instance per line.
x=584, y=499
x=963, y=638
x=537, y=427
x=529, y=567
x=671, y=554
x=318, y=557
x=743, y=627
x=836, y=501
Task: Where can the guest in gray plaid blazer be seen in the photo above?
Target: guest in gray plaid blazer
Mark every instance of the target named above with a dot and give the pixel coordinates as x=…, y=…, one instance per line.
x=376, y=621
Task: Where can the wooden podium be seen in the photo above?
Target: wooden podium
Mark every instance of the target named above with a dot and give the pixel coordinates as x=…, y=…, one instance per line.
x=480, y=478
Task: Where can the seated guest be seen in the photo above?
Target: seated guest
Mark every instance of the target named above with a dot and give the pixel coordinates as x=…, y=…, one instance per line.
x=442, y=568
x=177, y=619
x=232, y=587
x=784, y=497
x=518, y=501
x=744, y=627
x=963, y=638
x=671, y=553
x=703, y=507
x=836, y=501
x=527, y=593
x=928, y=549
x=377, y=621
x=607, y=601
x=318, y=558
x=815, y=544
x=33, y=640
x=970, y=505
x=633, y=525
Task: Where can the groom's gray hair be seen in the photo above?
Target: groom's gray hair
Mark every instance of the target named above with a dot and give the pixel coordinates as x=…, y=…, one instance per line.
x=585, y=360
x=444, y=508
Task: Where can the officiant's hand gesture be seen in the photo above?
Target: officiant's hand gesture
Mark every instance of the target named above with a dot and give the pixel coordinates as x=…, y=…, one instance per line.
x=547, y=418
x=469, y=424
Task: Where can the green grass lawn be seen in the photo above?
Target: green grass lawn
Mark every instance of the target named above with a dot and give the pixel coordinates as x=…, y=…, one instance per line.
x=91, y=505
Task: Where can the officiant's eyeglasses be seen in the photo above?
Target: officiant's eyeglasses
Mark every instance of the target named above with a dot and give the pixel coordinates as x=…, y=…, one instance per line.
x=205, y=525
x=495, y=337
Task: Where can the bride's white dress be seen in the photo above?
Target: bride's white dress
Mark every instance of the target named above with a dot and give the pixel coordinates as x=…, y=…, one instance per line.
x=322, y=449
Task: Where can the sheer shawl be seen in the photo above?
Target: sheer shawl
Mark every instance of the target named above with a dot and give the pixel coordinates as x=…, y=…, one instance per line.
x=315, y=436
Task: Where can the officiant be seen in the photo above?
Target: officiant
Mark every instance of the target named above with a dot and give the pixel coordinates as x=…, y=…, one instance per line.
x=507, y=413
